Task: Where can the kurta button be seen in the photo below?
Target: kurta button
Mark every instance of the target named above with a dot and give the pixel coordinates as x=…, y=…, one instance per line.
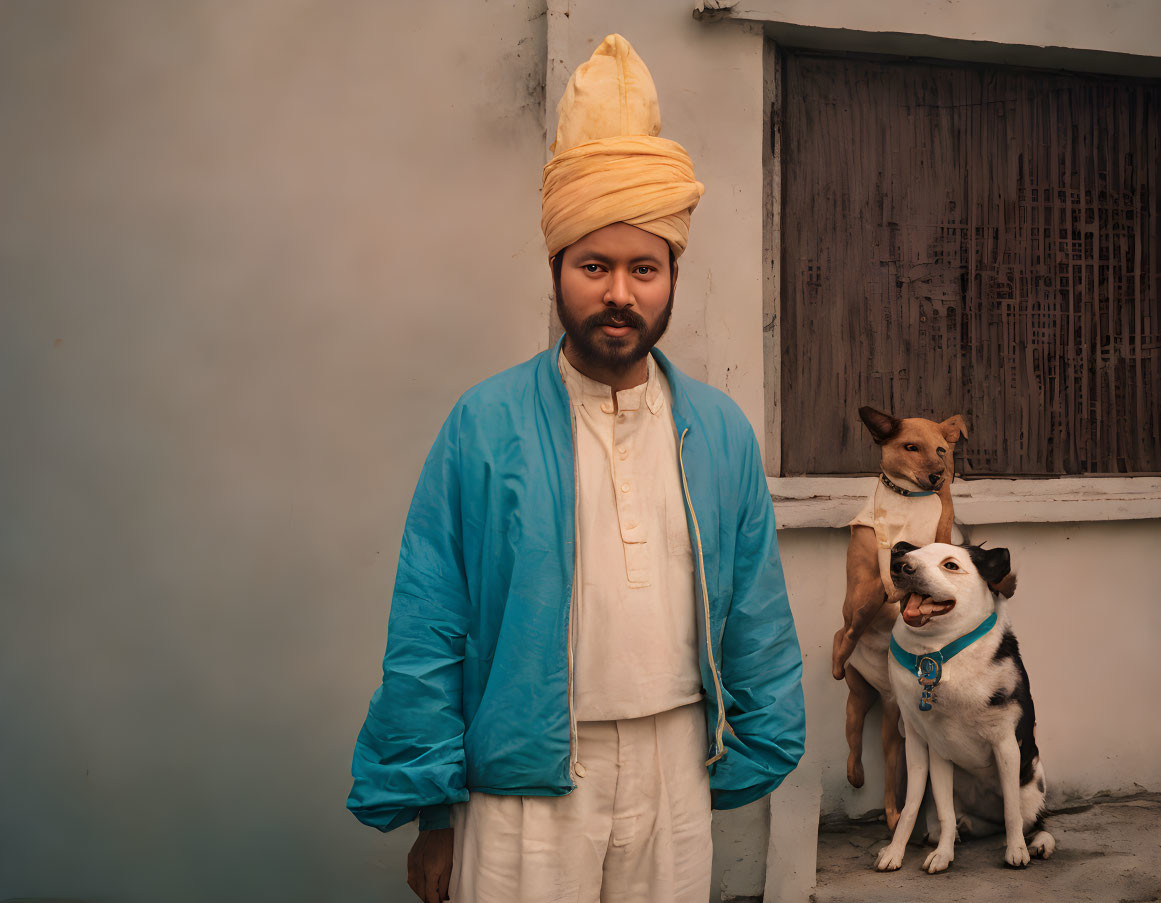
x=624, y=487
x=607, y=408
x=580, y=770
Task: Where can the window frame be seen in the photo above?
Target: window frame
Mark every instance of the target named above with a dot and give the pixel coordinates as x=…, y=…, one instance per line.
x=831, y=501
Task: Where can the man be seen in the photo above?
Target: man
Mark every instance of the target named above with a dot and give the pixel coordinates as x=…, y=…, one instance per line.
x=589, y=640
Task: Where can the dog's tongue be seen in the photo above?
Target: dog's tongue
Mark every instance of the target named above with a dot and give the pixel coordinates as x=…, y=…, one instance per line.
x=912, y=614
x=917, y=610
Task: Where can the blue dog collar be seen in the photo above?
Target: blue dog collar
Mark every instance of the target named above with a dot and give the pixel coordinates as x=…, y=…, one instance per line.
x=928, y=667
x=908, y=493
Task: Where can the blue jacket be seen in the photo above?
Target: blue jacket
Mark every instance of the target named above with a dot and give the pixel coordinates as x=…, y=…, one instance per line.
x=475, y=691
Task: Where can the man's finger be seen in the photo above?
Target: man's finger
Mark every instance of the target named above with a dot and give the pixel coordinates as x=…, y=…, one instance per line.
x=414, y=875
x=431, y=875
x=444, y=882
x=414, y=883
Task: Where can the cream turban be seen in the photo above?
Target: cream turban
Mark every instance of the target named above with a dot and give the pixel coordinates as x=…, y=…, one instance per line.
x=609, y=165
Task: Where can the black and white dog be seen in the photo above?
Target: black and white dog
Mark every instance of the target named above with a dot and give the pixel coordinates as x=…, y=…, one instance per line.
x=963, y=692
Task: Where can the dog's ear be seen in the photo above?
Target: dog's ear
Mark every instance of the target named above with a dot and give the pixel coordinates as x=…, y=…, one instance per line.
x=995, y=566
x=1006, y=587
x=882, y=426
x=953, y=428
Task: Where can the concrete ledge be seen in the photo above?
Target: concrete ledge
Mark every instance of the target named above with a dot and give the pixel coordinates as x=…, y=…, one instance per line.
x=833, y=501
x=1014, y=40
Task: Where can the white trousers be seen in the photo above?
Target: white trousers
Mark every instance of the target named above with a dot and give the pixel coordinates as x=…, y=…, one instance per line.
x=635, y=830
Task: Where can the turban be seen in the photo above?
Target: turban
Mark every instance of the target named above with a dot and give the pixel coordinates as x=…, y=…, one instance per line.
x=610, y=166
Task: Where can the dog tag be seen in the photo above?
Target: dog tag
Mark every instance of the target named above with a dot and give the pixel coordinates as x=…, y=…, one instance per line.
x=929, y=670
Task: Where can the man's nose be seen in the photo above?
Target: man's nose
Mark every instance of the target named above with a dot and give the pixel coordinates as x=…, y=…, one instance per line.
x=620, y=291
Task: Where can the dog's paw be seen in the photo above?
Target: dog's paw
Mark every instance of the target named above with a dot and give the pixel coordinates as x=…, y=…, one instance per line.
x=937, y=861
x=890, y=858
x=1042, y=845
x=1016, y=854
x=855, y=769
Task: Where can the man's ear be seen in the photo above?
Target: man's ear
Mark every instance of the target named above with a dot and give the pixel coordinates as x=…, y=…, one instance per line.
x=882, y=426
x=953, y=428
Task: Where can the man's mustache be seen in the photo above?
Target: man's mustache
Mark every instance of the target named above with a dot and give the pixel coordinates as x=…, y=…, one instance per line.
x=624, y=317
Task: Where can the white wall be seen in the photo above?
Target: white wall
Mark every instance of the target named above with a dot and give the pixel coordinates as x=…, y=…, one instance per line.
x=709, y=81
x=250, y=254
x=1113, y=26
x=1086, y=616
x=709, y=77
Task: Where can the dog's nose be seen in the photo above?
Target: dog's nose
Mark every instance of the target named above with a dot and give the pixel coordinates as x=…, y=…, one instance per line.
x=898, y=566
x=897, y=552
x=935, y=478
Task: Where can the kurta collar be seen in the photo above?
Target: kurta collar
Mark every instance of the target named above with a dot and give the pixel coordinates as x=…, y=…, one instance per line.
x=589, y=392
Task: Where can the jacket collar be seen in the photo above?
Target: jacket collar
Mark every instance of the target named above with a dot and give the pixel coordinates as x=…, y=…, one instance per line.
x=678, y=390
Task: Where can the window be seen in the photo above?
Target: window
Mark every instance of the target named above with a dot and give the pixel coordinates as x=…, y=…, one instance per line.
x=969, y=239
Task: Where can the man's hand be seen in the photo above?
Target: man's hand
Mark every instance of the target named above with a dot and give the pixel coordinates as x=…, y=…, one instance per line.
x=429, y=865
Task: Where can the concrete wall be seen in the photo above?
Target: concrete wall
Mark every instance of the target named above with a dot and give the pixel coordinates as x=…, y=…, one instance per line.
x=709, y=76
x=250, y=254
x=1110, y=26
x=709, y=81
x=1086, y=615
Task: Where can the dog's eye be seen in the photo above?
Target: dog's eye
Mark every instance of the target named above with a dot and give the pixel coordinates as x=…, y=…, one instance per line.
x=942, y=451
x=911, y=447
x=951, y=565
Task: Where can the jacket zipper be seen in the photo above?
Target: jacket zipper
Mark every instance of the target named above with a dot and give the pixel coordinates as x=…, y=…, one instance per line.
x=573, y=740
x=719, y=745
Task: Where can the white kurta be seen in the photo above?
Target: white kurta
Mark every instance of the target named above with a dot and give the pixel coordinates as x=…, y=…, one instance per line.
x=635, y=830
x=637, y=827
x=634, y=608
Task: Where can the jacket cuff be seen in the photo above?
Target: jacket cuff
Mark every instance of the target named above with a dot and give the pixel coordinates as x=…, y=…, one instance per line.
x=434, y=818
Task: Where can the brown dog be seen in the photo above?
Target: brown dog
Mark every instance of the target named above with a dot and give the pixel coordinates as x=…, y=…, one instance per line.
x=911, y=503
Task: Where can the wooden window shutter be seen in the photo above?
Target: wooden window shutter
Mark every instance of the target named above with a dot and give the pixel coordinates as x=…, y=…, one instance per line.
x=975, y=240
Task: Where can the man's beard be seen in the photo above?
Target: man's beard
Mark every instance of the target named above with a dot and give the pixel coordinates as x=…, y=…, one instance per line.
x=616, y=353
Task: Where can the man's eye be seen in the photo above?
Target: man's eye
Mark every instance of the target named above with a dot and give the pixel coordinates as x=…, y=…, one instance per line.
x=951, y=565
x=592, y=268
x=643, y=270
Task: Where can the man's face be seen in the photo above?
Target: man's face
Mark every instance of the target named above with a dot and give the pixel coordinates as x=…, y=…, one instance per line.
x=615, y=295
